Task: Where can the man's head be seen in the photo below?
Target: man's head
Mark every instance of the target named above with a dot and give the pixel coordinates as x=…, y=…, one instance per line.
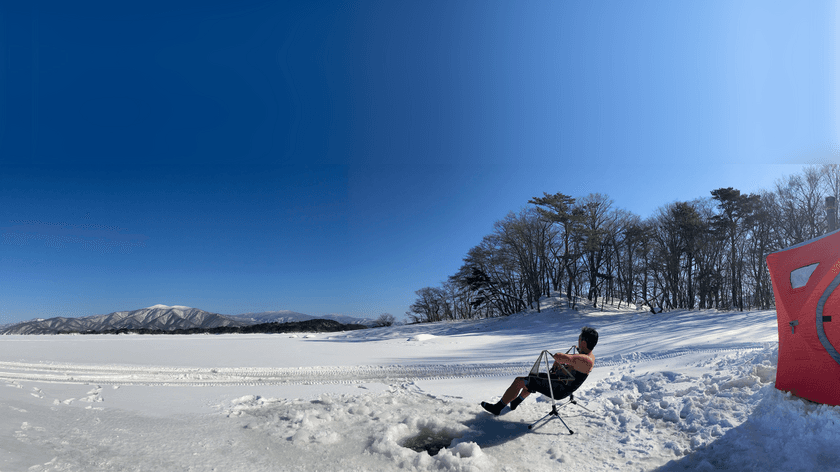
x=589, y=336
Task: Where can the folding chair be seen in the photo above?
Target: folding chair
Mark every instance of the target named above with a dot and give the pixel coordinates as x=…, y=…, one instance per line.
x=562, y=375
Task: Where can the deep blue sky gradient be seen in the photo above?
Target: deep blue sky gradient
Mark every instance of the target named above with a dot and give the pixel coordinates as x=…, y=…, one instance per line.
x=334, y=158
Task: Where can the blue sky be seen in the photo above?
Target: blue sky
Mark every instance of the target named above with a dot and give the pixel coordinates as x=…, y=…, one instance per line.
x=334, y=158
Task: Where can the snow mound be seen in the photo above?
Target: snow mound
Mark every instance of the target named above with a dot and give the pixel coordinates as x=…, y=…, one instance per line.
x=422, y=337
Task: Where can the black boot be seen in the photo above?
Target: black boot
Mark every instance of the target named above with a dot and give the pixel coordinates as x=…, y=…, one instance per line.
x=515, y=403
x=494, y=408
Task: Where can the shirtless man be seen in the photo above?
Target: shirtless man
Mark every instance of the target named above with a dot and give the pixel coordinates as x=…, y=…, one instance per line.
x=579, y=365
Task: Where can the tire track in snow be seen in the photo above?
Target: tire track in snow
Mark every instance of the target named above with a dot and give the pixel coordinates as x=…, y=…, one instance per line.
x=184, y=376
x=233, y=376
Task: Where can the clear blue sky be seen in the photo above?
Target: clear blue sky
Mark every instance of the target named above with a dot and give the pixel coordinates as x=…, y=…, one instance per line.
x=335, y=158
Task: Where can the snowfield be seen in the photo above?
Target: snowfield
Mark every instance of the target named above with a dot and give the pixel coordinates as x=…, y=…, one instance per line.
x=685, y=390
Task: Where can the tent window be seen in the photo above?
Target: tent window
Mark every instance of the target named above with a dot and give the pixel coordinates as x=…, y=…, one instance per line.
x=799, y=277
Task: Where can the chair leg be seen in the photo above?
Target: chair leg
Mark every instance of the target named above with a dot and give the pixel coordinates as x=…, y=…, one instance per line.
x=551, y=415
x=535, y=423
x=564, y=424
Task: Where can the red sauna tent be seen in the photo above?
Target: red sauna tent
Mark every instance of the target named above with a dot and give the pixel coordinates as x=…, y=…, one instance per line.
x=805, y=281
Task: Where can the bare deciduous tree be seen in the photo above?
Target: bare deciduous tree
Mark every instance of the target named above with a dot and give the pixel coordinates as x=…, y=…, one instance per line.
x=707, y=253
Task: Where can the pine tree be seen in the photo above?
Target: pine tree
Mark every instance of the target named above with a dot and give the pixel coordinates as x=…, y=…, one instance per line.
x=735, y=215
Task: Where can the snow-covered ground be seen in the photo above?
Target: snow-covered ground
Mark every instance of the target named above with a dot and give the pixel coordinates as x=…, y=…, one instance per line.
x=676, y=391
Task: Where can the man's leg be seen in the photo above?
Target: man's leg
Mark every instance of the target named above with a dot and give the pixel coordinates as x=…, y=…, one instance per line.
x=511, y=393
x=514, y=404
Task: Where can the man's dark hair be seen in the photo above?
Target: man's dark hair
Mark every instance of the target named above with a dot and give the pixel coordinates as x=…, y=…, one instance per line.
x=590, y=336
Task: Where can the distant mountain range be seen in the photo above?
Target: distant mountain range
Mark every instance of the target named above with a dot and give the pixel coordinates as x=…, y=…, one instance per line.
x=159, y=317
x=163, y=318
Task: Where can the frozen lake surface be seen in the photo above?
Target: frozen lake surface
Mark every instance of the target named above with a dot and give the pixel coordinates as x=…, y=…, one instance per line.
x=678, y=391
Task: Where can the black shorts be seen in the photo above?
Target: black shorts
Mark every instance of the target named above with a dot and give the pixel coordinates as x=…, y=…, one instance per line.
x=539, y=384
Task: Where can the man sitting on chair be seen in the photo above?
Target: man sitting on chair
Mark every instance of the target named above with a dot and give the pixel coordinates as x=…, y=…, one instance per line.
x=578, y=365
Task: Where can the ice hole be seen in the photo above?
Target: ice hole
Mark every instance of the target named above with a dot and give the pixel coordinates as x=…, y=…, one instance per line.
x=429, y=441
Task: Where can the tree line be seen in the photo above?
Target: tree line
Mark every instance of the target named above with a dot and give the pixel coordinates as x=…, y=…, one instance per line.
x=706, y=253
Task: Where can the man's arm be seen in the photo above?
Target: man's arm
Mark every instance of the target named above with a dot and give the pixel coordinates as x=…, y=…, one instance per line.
x=579, y=362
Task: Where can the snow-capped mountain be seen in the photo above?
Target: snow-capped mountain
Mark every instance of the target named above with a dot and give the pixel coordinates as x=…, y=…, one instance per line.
x=158, y=317
x=286, y=316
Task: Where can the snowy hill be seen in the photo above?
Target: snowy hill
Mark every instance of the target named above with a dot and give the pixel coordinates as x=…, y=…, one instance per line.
x=286, y=316
x=281, y=316
x=160, y=317
x=344, y=319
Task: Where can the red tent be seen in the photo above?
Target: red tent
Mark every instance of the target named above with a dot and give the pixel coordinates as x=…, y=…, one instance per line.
x=805, y=278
